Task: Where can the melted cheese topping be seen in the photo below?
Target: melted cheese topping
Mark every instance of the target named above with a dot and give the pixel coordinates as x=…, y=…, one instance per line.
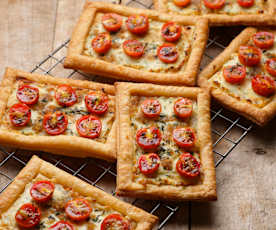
x=152, y=40
x=47, y=103
x=168, y=151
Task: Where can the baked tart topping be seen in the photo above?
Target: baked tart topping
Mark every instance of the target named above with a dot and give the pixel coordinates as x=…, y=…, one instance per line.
x=78, y=209
x=27, y=94
x=167, y=53
x=249, y=55
x=102, y=43
x=89, y=126
x=55, y=123
x=42, y=191
x=263, y=39
x=149, y=163
x=96, y=103
x=234, y=74
x=112, y=22
x=133, y=48
x=184, y=137
x=246, y=3
x=148, y=138
x=151, y=108
x=263, y=85
x=28, y=216
x=65, y=95
x=115, y=222
x=62, y=225
x=214, y=4
x=270, y=66
x=137, y=24
x=187, y=165
x=20, y=115
x=171, y=31
x=182, y=3
x=183, y=107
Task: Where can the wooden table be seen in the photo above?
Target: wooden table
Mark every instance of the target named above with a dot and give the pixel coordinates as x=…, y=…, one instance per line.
x=246, y=180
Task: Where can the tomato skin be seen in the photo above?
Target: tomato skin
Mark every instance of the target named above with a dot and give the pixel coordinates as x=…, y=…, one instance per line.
x=85, y=130
x=246, y=3
x=181, y=3
x=148, y=138
x=28, y=216
x=78, y=209
x=151, y=108
x=15, y=113
x=62, y=225
x=38, y=190
x=102, y=43
x=171, y=31
x=184, y=137
x=214, y=4
x=137, y=24
x=28, y=95
x=263, y=85
x=112, y=22
x=65, y=95
x=149, y=163
x=133, y=48
x=187, y=165
x=234, y=74
x=55, y=123
x=96, y=103
x=183, y=107
x=116, y=219
x=167, y=53
x=263, y=40
x=249, y=55
x=270, y=66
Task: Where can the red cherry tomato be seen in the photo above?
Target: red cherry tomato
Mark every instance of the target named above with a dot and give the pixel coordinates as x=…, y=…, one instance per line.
x=187, y=165
x=42, y=191
x=28, y=216
x=62, y=225
x=167, y=53
x=137, y=24
x=263, y=85
x=55, y=123
x=115, y=221
x=112, y=22
x=171, y=31
x=89, y=126
x=183, y=107
x=263, y=40
x=234, y=74
x=184, y=137
x=151, y=108
x=149, y=163
x=96, y=102
x=246, y=3
x=214, y=4
x=65, y=95
x=249, y=55
x=20, y=115
x=182, y=3
x=102, y=43
x=270, y=66
x=27, y=94
x=148, y=138
x=133, y=48
x=78, y=209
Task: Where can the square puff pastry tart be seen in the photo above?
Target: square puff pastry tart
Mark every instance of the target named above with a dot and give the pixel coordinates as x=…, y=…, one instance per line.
x=140, y=62
x=57, y=115
x=225, y=13
x=249, y=87
x=164, y=147
x=60, y=191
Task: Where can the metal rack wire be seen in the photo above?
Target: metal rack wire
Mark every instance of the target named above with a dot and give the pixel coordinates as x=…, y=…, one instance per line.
x=228, y=130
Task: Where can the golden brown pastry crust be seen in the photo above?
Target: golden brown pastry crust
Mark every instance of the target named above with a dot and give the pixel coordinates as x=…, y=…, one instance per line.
x=76, y=60
x=66, y=145
x=35, y=166
x=258, y=115
x=125, y=147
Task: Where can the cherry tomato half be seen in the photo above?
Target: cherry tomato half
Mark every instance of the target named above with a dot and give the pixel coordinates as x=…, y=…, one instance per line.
x=249, y=55
x=112, y=22
x=214, y=4
x=263, y=85
x=183, y=107
x=42, y=191
x=96, y=102
x=148, y=138
x=78, y=209
x=89, y=126
x=55, y=123
x=149, y=163
x=151, y=108
x=27, y=94
x=62, y=225
x=171, y=31
x=234, y=74
x=137, y=24
x=167, y=53
x=263, y=40
x=270, y=66
x=28, y=216
x=115, y=221
x=181, y=3
x=133, y=48
x=102, y=43
x=20, y=115
x=65, y=95
x=246, y=3
x=184, y=137
x=187, y=165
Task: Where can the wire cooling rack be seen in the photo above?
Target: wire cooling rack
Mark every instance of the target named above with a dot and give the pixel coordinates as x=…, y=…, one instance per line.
x=228, y=130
